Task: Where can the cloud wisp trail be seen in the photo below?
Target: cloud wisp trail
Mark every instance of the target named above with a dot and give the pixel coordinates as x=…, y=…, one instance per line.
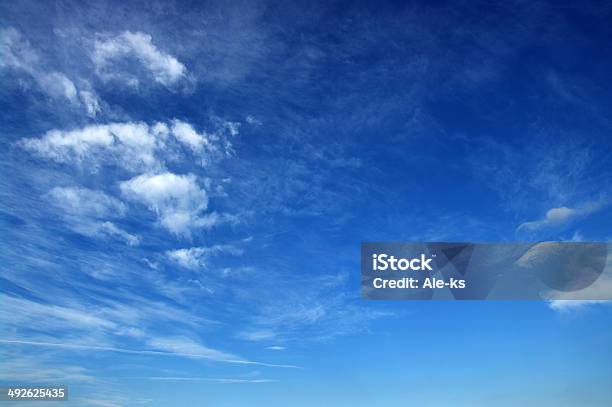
x=142, y=352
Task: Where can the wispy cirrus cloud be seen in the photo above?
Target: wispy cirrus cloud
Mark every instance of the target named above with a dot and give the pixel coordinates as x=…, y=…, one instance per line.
x=87, y=212
x=207, y=353
x=99, y=320
x=87, y=202
x=187, y=346
x=36, y=368
x=315, y=310
x=17, y=53
x=223, y=380
x=196, y=257
x=96, y=322
x=20, y=312
x=107, y=229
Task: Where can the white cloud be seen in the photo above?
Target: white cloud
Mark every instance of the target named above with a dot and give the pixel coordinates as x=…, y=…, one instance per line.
x=136, y=147
x=186, y=134
x=188, y=258
x=57, y=85
x=133, y=146
x=177, y=200
x=164, y=68
x=565, y=306
x=197, y=257
x=554, y=216
x=276, y=347
x=560, y=216
x=17, y=53
x=129, y=145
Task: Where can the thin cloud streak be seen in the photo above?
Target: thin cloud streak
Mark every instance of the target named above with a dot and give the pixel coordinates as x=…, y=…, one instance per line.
x=211, y=379
x=141, y=352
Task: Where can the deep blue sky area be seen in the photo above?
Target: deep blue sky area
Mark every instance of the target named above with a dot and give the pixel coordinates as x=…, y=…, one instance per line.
x=184, y=188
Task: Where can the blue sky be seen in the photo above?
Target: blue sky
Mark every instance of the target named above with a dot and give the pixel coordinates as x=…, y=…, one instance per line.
x=184, y=188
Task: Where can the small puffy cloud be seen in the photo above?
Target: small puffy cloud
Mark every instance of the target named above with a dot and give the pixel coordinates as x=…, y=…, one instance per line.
x=554, y=216
x=196, y=257
x=177, y=200
x=275, y=347
x=560, y=216
x=109, y=53
x=252, y=120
